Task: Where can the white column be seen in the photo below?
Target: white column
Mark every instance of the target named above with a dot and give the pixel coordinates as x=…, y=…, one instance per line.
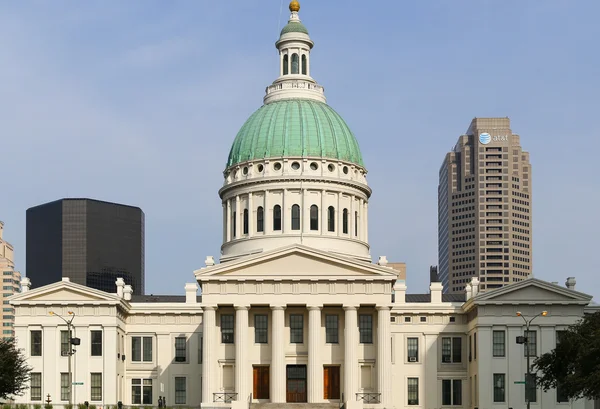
x=267, y=215
x=239, y=218
x=339, y=216
x=361, y=220
x=250, y=215
x=323, y=212
x=351, y=218
x=228, y=220
x=209, y=376
x=278, y=355
x=384, y=355
x=224, y=222
x=350, y=353
x=284, y=213
x=305, y=213
x=315, y=365
x=241, y=347
x=428, y=354
x=366, y=217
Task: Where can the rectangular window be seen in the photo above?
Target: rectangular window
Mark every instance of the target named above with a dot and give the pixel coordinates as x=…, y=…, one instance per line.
x=452, y=392
x=141, y=349
x=498, y=347
x=470, y=348
x=96, y=347
x=36, y=385
x=530, y=388
x=261, y=329
x=531, y=345
x=413, y=391
x=475, y=345
x=365, y=327
x=180, y=390
x=200, y=341
x=451, y=349
x=36, y=343
x=64, y=343
x=180, y=349
x=96, y=386
x=412, y=349
x=331, y=329
x=499, y=387
x=296, y=328
x=64, y=386
x=141, y=391
x=227, y=328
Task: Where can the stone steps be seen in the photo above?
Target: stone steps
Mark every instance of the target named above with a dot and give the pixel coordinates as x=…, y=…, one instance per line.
x=294, y=406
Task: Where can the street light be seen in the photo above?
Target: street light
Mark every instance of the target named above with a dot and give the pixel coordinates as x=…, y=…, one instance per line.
x=71, y=351
x=524, y=340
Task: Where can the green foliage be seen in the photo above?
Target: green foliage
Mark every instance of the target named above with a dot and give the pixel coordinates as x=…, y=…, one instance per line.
x=37, y=406
x=14, y=371
x=22, y=406
x=92, y=407
x=48, y=406
x=6, y=406
x=68, y=406
x=81, y=406
x=575, y=362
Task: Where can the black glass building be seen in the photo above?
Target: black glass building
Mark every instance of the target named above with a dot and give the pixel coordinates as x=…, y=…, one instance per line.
x=90, y=241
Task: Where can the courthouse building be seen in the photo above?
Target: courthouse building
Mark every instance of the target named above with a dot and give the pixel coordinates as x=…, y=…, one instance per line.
x=295, y=311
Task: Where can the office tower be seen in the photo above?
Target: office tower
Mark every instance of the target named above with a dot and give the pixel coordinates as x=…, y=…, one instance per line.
x=484, y=208
x=11, y=284
x=90, y=241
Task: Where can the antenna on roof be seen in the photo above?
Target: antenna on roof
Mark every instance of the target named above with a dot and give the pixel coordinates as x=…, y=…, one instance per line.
x=279, y=21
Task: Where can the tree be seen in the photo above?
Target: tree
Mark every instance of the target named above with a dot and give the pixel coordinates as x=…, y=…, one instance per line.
x=14, y=371
x=574, y=365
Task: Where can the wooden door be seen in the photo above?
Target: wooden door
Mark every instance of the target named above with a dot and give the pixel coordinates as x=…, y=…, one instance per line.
x=331, y=382
x=260, y=375
x=296, y=383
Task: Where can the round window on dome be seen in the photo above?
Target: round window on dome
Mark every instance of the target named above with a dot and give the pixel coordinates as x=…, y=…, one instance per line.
x=295, y=165
x=331, y=167
x=245, y=170
x=277, y=166
x=260, y=168
x=314, y=166
x=345, y=170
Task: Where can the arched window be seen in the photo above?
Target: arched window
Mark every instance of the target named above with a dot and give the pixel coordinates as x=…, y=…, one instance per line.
x=295, y=64
x=233, y=224
x=295, y=217
x=314, y=217
x=277, y=217
x=245, y=221
x=285, y=64
x=304, y=64
x=356, y=224
x=330, y=218
x=345, y=221
x=260, y=219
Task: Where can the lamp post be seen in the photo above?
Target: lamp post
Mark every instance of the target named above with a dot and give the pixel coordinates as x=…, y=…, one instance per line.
x=70, y=352
x=525, y=340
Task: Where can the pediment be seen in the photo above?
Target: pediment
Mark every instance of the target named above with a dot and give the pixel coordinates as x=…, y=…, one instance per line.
x=65, y=292
x=297, y=262
x=534, y=291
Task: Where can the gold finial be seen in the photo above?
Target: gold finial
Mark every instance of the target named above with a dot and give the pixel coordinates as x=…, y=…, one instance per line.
x=294, y=6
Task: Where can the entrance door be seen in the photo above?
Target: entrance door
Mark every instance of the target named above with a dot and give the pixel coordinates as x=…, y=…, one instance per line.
x=331, y=382
x=260, y=374
x=296, y=383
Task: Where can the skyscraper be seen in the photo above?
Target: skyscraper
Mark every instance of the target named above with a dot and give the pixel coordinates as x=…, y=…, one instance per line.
x=90, y=241
x=11, y=284
x=484, y=208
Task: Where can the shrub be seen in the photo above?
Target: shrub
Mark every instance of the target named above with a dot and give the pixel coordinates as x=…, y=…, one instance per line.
x=92, y=407
x=37, y=406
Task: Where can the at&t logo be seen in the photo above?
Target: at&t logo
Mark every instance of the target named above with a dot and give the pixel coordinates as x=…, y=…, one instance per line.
x=485, y=138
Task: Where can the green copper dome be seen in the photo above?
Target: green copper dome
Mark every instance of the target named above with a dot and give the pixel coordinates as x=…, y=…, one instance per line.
x=294, y=27
x=295, y=127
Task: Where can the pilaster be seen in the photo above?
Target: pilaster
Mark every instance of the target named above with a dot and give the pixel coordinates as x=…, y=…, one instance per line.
x=241, y=356
x=251, y=216
x=209, y=375
x=315, y=365
x=384, y=355
x=278, y=355
x=350, y=353
x=239, y=218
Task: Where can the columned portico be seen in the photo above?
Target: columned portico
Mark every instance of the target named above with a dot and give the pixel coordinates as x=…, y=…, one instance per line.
x=315, y=365
x=384, y=358
x=241, y=355
x=278, y=376
x=208, y=353
x=350, y=353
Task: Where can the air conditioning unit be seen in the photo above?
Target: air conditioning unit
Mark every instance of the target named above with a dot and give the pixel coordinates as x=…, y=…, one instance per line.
x=64, y=353
x=412, y=359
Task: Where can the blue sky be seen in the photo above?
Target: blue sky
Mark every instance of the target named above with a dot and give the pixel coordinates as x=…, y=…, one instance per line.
x=138, y=102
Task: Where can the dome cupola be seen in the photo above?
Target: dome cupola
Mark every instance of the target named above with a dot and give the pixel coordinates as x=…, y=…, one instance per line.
x=295, y=173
